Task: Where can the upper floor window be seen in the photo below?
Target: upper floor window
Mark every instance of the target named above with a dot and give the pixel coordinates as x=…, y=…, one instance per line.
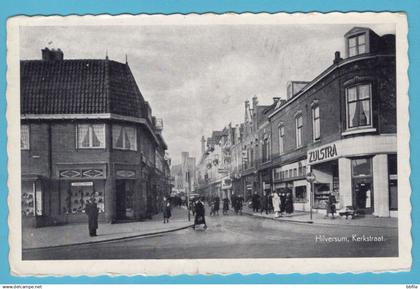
x=91, y=136
x=359, y=111
x=124, y=137
x=265, y=149
x=316, y=127
x=24, y=137
x=299, y=127
x=281, y=139
x=357, y=45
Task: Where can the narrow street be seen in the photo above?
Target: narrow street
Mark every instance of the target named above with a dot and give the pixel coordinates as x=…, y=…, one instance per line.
x=238, y=237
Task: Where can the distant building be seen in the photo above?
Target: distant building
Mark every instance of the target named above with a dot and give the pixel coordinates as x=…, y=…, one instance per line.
x=86, y=131
x=183, y=174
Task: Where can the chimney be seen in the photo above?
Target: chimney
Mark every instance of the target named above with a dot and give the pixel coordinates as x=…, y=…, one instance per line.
x=254, y=102
x=276, y=99
x=52, y=54
x=203, y=145
x=337, y=57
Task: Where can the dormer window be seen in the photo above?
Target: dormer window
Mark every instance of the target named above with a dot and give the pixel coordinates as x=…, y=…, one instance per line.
x=357, y=45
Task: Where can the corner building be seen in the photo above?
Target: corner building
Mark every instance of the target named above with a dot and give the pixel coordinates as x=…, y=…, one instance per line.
x=86, y=131
x=341, y=126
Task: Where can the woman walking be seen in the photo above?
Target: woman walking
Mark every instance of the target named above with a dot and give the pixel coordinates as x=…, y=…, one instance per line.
x=276, y=204
x=166, y=210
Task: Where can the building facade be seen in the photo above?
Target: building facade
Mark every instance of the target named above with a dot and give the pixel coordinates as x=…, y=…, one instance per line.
x=339, y=127
x=86, y=131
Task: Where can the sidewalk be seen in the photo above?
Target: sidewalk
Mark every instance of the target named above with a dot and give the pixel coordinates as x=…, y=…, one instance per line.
x=304, y=217
x=73, y=234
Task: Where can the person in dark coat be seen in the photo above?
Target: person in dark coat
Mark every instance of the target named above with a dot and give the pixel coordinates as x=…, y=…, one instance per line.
x=331, y=209
x=216, y=205
x=166, y=210
x=282, y=203
x=225, y=206
x=239, y=200
x=92, y=211
x=255, y=202
x=289, y=203
x=199, y=214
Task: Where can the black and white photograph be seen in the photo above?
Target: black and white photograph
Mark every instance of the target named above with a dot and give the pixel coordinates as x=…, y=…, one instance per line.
x=170, y=144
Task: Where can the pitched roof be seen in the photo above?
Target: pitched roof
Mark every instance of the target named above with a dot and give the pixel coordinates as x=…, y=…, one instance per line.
x=79, y=87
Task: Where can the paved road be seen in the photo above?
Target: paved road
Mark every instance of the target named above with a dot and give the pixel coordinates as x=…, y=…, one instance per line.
x=240, y=237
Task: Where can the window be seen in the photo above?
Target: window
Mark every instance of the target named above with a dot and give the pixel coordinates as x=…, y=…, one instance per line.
x=124, y=137
x=299, y=125
x=357, y=45
x=359, y=111
x=300, y=193
x=281, y=139
x=91, y=136
x=316, y=128
x=361, y=167
x=265, y=149
x=24, y=137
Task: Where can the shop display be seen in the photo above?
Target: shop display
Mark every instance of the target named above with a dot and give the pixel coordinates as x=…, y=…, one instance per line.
x=28, y=204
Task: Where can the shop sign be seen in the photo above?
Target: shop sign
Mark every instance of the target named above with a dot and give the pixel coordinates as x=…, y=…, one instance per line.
x=322, y=154
x=126, y=173
x=82, y=184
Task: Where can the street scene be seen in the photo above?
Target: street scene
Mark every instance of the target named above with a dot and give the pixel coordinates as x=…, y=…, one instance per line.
x=211, y=141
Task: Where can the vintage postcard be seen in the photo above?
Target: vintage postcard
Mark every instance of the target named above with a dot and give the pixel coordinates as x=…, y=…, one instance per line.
x=208, y=144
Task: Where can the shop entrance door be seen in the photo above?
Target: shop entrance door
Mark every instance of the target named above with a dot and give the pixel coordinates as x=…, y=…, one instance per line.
x=125, y=194
x=363, y=195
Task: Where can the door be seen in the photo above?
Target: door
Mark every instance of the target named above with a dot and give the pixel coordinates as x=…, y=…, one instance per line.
x=363, y=195
x=121, y=199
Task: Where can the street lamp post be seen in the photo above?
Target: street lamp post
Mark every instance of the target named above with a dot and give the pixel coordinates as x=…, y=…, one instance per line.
x=188, y=195
x=310, y=177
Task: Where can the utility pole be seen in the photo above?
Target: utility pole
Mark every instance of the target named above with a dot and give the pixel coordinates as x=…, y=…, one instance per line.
x=310, y=177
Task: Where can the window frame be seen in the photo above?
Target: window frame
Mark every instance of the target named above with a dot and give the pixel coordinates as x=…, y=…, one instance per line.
x=123, y=127
x=316, y=123
x=90, y=126
x=299, y=142
x=370, y=117
x=281, y=139
x=29, y=137
x=357, y=44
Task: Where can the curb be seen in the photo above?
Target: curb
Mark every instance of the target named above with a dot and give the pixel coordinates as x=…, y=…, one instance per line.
x=278, y=219
x=109, y=240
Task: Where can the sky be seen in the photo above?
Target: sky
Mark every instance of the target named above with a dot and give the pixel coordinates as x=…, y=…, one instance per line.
x=197, y=77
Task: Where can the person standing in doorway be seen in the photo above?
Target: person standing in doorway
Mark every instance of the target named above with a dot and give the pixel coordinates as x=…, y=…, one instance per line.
x=92, y=211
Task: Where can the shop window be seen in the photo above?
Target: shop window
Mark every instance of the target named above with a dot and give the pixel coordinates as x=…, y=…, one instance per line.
x=24, y=137
x=299, y=127
x=359, y=113
x=357, y=45
x=361, y=167
x=91, y=136
x=124, y=137
x=300, y=194
x=78, y=194
x=281, y=139
x=316, y=126
x=32, y=199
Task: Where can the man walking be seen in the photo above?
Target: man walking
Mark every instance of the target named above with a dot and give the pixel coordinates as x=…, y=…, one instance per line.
x=199, y=214
x=91, y=210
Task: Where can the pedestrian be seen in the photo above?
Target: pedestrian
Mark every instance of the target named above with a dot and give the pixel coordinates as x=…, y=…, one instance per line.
x=239, y=203
x=276, y=204
x=92, y=211
x=264, y=203
x=331, y=209
x=166, y=210
x=225, y=206
x=255, y=202
x=199, y=214
x=270, y=202
x=282, y=203
x=216, y=205
x=289, y=203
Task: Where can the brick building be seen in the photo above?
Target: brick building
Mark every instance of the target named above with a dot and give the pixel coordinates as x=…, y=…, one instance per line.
x=341, y=126
x=86, y=130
